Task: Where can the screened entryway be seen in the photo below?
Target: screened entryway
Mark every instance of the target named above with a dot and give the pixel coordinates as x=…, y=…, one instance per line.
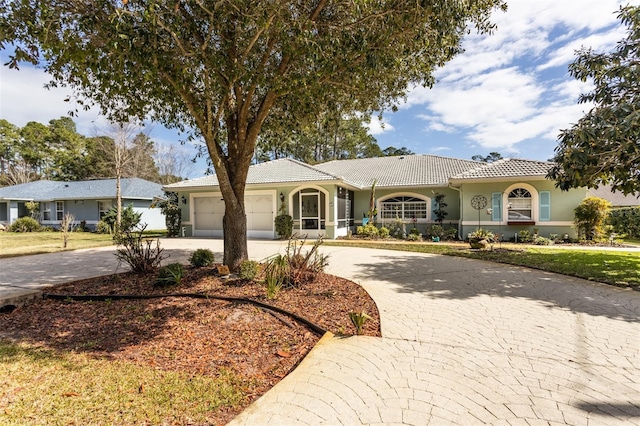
x=309, y=212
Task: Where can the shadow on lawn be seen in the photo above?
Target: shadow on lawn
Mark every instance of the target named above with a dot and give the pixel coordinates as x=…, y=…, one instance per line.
x=461, y=278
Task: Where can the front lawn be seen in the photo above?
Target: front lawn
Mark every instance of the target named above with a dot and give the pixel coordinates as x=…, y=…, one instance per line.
x=24, y=243
x=620, y=268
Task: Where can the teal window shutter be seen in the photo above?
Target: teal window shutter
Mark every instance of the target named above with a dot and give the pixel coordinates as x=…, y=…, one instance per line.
x=545, y=206
x=496, y=207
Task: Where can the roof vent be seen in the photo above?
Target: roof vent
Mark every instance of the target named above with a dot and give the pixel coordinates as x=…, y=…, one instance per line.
x=402, y=157
x=66, y=185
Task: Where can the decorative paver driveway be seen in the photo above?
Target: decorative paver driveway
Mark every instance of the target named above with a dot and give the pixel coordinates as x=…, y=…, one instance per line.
x=464, y=342
x=468, y=342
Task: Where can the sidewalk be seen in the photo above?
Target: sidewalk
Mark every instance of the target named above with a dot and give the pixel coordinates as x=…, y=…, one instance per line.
x=464, y=342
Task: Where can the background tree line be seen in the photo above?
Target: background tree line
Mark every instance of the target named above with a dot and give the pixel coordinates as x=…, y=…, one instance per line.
x=58, y=152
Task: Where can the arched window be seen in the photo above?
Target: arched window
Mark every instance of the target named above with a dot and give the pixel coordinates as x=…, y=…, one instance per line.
x=404, y=208
x=520, y=205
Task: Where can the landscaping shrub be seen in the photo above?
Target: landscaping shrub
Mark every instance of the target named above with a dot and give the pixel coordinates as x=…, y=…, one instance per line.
x=590, y=216
x=24, y=224
x=436, y=231
x=249, y=269
x=383, y=232
x=201, y=258
x=481, y=234
x=414, y=237
x=171, y=274
x=396, y=229
x=103, y=227
x=139, y=252
x=369, y=231
x=541, y=241
x=284, y=225
x=524, y=236
x=129, y=220
x=295, y=267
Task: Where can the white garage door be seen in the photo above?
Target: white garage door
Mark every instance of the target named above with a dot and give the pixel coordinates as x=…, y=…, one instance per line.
x=208, y=213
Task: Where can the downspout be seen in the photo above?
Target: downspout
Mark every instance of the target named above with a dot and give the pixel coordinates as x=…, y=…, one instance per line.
x=461, y=210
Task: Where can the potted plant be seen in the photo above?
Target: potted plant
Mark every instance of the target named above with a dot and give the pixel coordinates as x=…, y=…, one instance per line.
x=481, y=238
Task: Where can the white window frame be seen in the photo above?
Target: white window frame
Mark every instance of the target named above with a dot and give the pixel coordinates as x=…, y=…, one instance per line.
x=386, y=216
x=59, y=210
x=101, y=210
x=534, y=202
x=46, y=212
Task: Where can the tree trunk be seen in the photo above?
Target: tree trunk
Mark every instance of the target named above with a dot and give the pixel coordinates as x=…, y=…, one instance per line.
x=234, y=225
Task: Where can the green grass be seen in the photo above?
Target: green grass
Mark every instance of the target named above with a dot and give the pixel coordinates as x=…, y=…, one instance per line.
x=39, y=387
x=24, y=243
x=620, y=268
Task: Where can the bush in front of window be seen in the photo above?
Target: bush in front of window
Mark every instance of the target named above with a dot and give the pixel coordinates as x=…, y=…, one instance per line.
x=369, y=231
x=383, y=232
x=24, y=224
x=524, y=236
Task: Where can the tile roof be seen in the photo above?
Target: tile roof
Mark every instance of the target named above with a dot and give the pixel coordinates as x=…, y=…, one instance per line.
x=284, y=170
x=617, y=199
x=398, y=171
x=507, y=167
x=47, y=190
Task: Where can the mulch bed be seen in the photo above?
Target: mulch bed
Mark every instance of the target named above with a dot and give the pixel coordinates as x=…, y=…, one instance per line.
x=197, y=336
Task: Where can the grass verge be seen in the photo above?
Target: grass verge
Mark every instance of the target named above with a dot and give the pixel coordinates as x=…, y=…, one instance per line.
x=619, y=268
x=25, y=243
x=39, y=386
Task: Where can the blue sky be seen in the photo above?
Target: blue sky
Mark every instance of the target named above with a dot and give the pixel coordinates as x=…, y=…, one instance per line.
x=509, y=92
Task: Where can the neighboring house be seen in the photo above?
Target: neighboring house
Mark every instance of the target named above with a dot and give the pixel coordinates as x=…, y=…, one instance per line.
x=332, y=198
x=617, y=199
x=86, y=200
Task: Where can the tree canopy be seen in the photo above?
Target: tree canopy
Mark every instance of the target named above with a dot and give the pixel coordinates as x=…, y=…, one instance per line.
x=224, y=68
x=493, y=156
x=58, y=152
x=604, y=146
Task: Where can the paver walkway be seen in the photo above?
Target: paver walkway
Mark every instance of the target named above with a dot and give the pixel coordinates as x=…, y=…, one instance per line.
x=464, y=342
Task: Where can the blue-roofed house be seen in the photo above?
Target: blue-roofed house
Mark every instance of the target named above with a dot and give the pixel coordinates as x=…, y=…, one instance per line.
x=331, y=198
x=87, y=200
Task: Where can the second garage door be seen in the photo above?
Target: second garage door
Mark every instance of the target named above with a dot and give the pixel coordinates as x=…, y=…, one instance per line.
x=209, y=211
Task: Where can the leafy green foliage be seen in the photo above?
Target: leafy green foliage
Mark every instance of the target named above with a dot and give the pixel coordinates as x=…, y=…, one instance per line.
x=358, y=319
x=590, y=216
x=493, y=156
x=24, y=224
x=524, y=236
x=139, y=252
x=172, y=213
x=130, y=219
x=276, y=272
x=249, y=269
x=284, y=225
x=603, y=147
x=440, y=211
x=369, y=231
x=625, y=221
x=482, y=234
x=171, y=274
x=103, y=227
x=383, y=232
x=228, y=69
x=201, y=258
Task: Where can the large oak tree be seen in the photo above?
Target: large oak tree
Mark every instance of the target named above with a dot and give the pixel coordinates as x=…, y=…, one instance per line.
x=223, y=68
x=603, y=147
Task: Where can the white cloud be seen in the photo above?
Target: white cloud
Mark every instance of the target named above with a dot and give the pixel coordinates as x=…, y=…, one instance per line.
x=496, y=94
x=378, y=127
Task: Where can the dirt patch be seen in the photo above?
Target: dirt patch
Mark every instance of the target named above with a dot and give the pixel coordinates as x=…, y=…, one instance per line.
x=198, y=336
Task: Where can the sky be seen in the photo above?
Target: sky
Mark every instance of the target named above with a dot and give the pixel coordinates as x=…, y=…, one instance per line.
x=509, y=92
